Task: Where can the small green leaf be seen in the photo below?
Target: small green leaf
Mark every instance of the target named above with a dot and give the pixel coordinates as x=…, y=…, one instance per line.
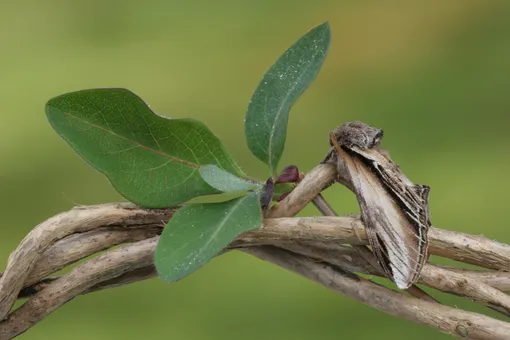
x=225, y=181
x=198, y=232
x=282, y=188
x=151, y=160
x=222, y=197
x=268, y=112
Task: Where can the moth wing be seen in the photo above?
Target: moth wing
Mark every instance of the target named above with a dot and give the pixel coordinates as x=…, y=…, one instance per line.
x=413, y=199
x=391, y=233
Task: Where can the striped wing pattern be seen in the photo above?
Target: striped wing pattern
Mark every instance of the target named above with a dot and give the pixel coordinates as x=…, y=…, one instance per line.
x=395, y=213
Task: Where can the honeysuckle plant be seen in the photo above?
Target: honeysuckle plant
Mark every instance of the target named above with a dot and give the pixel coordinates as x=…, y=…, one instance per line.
x=158, y=162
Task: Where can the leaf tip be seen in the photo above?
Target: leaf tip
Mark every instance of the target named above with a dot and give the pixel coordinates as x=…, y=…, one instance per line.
x=325, y=27
x=51, y=104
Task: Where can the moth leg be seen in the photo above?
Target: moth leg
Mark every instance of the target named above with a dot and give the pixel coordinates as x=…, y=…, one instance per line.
x=330, y=157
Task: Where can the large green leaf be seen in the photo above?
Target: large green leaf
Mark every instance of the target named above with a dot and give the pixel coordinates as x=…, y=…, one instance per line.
x=198, y=232
x=151, y=160
x=225, y=181
x=268, y=112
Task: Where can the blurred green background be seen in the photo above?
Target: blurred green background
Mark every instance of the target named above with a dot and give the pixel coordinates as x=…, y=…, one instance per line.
x=434, y=75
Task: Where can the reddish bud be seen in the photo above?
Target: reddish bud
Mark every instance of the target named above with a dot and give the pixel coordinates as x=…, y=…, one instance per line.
x=290, y=174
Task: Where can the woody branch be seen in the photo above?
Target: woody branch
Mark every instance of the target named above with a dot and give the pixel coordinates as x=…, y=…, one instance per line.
x=315, y=247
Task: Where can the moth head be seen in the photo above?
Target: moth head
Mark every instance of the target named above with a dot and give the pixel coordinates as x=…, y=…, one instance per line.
x=357, y=134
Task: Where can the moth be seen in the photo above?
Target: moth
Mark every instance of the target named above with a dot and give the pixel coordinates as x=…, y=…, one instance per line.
x=395, y=211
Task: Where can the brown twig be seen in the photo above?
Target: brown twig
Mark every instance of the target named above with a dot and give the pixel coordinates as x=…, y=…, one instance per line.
x=449, y=320
x=79, y=220
x=88, y=277
x=286, y=233
x=458, y=246
x=132, y=276
x=85, y=276
x=309, y=187
x=79, y=246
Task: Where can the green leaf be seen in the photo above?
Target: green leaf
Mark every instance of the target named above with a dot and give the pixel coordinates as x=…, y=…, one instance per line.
x=225, y=181
x=223, y=197
x=268, y=112
x=151, y=160
x=282, y=188
x=198, y=232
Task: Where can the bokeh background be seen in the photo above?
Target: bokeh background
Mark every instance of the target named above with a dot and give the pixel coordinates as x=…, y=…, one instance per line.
x=434, y=75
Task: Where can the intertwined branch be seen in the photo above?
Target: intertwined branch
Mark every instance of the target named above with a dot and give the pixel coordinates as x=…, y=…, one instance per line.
x=315, y=247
